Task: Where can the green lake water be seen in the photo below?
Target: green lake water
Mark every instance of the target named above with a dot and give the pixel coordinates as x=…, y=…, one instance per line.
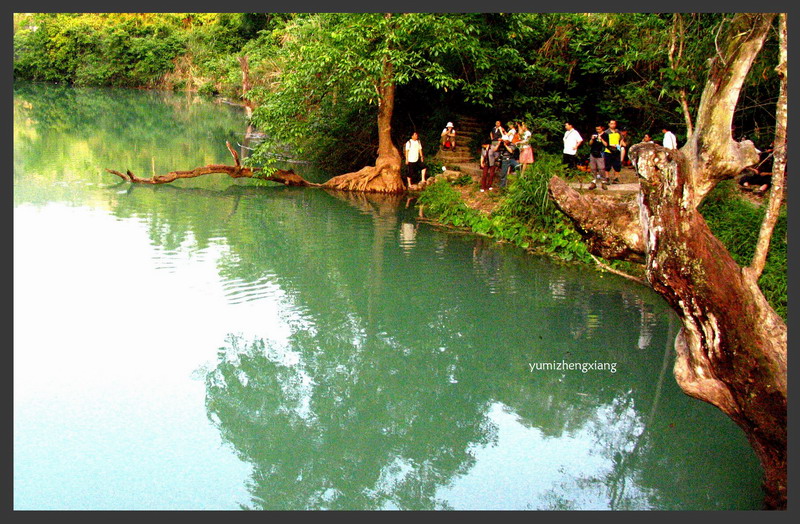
x=229, y=344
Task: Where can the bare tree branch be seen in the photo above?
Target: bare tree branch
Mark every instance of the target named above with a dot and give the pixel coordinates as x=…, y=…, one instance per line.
x=779, y=164
x=677, y=37
x=289, y=178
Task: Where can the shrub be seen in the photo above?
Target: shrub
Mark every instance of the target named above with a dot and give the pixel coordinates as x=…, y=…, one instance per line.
x=527, y=196
x=510, y=222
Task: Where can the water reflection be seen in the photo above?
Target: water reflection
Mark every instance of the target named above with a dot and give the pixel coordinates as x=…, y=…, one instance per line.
x=408, y=236
x=403, y=395
x=384, y=428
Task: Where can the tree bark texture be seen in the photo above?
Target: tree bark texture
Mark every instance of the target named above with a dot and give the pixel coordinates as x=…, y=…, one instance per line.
x=713, y=153
x=610, y=227
x=731, y=349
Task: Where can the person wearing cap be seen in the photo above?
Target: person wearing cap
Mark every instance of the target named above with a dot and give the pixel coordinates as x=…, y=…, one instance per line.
x=449, y=137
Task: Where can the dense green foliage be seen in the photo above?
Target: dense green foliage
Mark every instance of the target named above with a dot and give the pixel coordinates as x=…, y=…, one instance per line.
x=736, y=221
x=332, y=66
x=314, y=79
x=540, y=67
x=97, y=50
x=525, y=216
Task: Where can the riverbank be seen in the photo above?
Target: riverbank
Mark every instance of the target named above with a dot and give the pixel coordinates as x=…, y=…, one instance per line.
x=524, y=215
x=521, y=214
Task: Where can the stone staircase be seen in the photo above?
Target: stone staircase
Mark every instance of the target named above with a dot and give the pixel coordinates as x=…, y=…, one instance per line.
x=465, y=158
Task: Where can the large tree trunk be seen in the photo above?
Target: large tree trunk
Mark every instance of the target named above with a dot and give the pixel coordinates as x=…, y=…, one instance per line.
x=384, y=176
x=731, y=350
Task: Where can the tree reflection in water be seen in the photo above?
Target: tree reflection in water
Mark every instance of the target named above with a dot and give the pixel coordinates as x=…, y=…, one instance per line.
x=365, y=408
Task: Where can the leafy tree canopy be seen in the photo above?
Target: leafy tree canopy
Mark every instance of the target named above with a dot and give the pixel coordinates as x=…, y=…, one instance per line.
x=317, y=74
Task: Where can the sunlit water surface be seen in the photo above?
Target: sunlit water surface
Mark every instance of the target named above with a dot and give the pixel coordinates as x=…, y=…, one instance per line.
x=221, y=344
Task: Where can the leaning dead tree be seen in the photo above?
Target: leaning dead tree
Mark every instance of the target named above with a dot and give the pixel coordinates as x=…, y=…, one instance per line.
x=731, y=349
x=237, y=170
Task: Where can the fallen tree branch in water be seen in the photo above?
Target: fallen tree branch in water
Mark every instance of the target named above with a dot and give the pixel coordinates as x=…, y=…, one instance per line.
x=610, y=269
x=289, y=178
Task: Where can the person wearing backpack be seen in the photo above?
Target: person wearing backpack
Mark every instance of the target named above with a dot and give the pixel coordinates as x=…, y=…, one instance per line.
x=612, y=154
x=415, y=161
x=596, y=163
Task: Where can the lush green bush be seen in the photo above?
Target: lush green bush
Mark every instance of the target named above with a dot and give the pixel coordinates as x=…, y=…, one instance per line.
x=526, y=217
x=736, y=222
x=95, y=49
x=522, y=218
x=527, y=196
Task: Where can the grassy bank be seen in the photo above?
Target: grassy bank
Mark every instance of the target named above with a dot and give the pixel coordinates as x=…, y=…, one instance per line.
x=525, y=216
x=522, y=215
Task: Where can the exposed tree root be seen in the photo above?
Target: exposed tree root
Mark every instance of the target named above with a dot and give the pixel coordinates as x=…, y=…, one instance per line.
x=369, y=179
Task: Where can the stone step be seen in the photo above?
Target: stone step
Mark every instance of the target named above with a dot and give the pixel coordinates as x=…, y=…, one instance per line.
x=469, y=131
x=455, y=156
x=464, y=142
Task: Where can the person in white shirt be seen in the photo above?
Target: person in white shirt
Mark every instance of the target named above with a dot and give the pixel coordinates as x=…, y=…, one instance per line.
x=669, y=142
x=414, y=159
x=572, y=141
x=449, y=137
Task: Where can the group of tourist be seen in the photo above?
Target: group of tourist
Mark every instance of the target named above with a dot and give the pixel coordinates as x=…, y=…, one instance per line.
x=607, y=152
x=608, y=149
x=506, y=150
x=509, y=149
